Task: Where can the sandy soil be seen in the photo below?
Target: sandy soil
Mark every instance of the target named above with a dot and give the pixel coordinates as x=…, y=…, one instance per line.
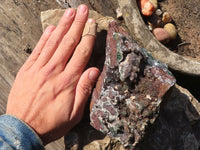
x=186, y=17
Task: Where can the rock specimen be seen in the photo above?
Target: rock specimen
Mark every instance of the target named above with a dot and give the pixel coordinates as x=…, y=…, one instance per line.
x=171, y=29
x=166, y=17
x=161, y=35
x=148, y=6
x=129, y=91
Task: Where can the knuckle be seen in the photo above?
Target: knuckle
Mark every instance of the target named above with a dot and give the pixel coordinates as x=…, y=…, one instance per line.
x=70, y=40
x=44, y=38
x=69, y=80
x=83, y=51
x=62, y=24
x=48, y=69
x=85, y=89
x=52, y=42
x=79, y=21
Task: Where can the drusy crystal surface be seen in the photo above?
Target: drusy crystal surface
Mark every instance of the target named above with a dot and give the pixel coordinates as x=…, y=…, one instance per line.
x=129, y=91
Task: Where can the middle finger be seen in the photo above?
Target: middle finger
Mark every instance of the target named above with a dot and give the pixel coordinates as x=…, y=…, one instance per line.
x=70, y=40
x=57, y=35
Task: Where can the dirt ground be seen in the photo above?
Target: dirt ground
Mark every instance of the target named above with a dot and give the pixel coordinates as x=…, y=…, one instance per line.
x=186, y=17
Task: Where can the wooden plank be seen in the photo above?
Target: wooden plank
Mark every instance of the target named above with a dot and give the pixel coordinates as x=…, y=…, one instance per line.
x=20, y=27
x=57, y=145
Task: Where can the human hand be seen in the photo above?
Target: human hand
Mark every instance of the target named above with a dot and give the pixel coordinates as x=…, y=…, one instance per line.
x=51, y=88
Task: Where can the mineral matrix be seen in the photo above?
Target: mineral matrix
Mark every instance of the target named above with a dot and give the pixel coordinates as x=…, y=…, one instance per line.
x=129, y=91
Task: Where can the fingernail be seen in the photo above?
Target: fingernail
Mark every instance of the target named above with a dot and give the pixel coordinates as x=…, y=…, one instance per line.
x=93, y=74
x=69, y=12
x=82, y=9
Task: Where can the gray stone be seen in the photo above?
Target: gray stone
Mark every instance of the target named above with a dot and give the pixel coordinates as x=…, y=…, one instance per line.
x=177, y=127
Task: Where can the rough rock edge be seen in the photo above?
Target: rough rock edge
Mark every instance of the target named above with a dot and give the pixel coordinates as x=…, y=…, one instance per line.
x=110, y=102
x=52, y=17
x=177, y=126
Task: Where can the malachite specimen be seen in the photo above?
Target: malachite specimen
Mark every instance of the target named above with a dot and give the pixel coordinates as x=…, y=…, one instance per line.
x=129, y=91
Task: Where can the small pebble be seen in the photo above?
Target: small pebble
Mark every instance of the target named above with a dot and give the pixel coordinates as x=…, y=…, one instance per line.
x=146, y=7
x=158, y=12
x=166, y=18
x=119, y=13
x=155, y=21
x=171, y=29
x=161, y=35
x=150, y=27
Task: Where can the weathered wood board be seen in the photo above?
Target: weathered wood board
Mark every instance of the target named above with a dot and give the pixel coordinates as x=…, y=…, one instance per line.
x=20, y=29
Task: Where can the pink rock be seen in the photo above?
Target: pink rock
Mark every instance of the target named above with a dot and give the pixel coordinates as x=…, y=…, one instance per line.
x=161, y=35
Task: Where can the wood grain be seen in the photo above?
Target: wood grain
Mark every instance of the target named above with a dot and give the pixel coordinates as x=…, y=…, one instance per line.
x=20, y=28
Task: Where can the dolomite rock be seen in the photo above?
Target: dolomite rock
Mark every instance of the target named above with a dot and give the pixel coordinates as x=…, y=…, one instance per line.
x=128, y=93
x=52, y=17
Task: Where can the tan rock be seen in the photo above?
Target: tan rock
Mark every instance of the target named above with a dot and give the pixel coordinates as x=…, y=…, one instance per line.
x=154, y=2
x=171, y=29
x=52, y=17
x=104, y=144
x=166, y=18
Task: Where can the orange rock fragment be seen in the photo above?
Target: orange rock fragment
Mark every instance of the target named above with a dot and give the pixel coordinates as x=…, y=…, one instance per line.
x=146, y=7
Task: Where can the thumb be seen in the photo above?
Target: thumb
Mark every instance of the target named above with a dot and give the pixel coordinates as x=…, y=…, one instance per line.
x=83, y=91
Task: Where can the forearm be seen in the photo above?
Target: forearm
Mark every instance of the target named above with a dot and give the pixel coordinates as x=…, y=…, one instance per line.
x=16, y=134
